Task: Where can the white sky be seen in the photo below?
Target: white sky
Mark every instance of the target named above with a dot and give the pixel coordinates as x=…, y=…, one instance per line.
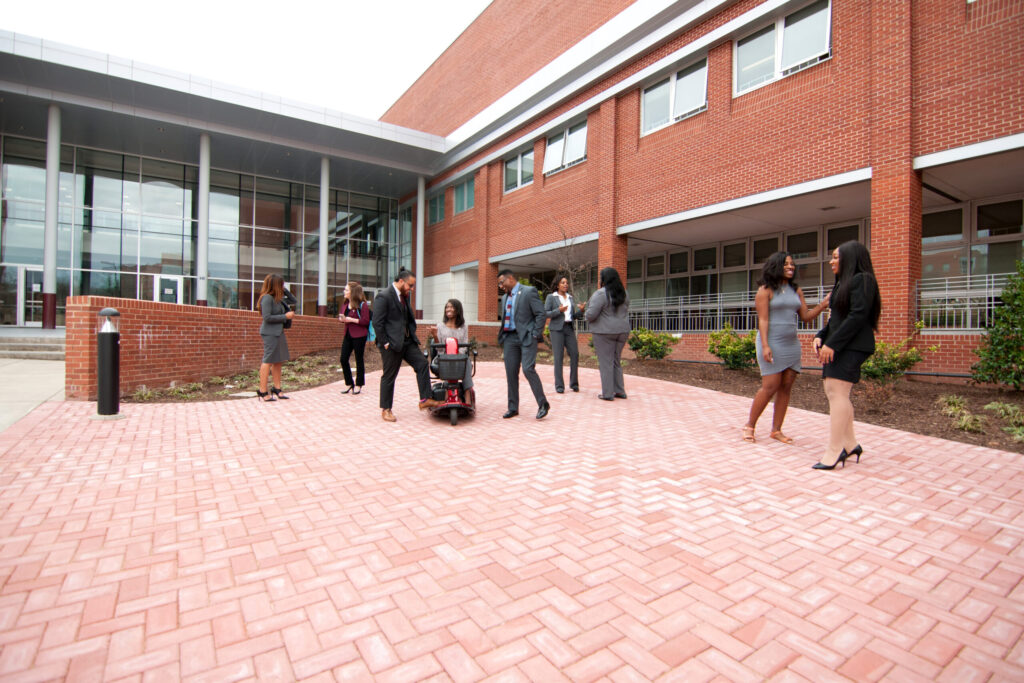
x=355, y=56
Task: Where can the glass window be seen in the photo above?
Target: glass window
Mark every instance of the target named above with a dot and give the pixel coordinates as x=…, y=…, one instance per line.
x=634, y=269
x=678, y=286
x=1004, y=218
x=705, y=259
x=947, y=262
x=464, y=196
x=22, y=241
x=808, y=274
x=519, y=171
x=755, y=59
x=162, y=253
x=635, y=290
x=677, y=263
x=654, y=289
x=223, y=259
x=803, y=245
x=941, y=226
x=701, y=285
x=691, y=89
x=735, y=281
x=805, y=35
x=995, y=258
x=435, y=209
x=656, y=105
x=566, y=148
x=836, y=236
x=763, y=248
x=791, y=43
x=24, y=171
x=655, y=266
x=734, y=255
x=272, y=204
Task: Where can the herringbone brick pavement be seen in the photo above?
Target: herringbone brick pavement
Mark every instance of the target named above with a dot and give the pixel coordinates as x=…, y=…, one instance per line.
x=634, y=540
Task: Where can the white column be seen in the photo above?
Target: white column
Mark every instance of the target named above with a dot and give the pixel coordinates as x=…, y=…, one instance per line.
x=50, y=213
x=421, y=194
x=203, y=228
x=325, y=196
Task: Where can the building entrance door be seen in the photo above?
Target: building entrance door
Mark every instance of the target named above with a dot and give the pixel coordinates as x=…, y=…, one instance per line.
x=21, y=296
x=167, y=289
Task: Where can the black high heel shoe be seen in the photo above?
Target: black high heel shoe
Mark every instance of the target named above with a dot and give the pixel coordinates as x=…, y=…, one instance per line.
x=277, y=392
x=347, y=390
x=262, y=395
x=842, y=459
x=857, y=450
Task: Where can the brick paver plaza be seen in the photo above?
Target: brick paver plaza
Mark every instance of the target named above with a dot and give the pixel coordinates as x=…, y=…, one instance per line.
x=633, y=540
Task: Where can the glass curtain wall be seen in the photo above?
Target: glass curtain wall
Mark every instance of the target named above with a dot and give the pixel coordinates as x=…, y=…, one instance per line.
x=128, y=228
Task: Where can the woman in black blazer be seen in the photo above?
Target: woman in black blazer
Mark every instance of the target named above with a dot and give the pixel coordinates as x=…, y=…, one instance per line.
x=846, y=341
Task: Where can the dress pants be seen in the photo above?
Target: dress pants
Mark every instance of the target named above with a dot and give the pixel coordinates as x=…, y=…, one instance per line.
x=565, y=340
x=392, y=361
x=609, y=355
x=517, y=355
x=347, y=347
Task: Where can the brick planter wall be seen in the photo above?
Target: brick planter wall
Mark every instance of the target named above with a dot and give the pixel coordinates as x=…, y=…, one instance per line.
x=163, y=344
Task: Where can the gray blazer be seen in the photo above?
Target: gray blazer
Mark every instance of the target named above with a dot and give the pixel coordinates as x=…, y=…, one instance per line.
x=528, y=312
x=604, y=318
x=556, y=316
x=273, y=316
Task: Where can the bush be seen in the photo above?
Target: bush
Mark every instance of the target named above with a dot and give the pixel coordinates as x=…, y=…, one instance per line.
x=1002, y=347
x=952, y=405
x=646, y=344
x=890, y=362
x=969, y=422
x=735, y=351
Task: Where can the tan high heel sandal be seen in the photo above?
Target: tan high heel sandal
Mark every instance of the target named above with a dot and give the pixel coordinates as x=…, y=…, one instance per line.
x=748, y=434
x=779, y=436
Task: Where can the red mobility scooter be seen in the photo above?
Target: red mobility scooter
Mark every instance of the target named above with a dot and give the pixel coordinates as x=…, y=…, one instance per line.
x=448, y=364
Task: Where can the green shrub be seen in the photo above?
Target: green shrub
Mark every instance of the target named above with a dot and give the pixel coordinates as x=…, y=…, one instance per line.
x=646, y=344
x=1001, y=352
x=735, y=351
x=1016, y=432
x=1008, y=411
x=890, y=362
x=968, y=422
x=952, y=405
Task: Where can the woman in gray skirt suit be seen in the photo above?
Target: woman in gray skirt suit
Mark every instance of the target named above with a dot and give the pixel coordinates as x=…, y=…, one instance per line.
x=275, y=346
x=608, y=315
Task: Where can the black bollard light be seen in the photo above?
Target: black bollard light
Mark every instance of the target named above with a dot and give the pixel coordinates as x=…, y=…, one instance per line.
x=108, y=362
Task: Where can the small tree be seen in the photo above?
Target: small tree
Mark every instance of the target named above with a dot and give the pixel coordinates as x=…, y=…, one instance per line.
x=1002, y=347
x=889, y=363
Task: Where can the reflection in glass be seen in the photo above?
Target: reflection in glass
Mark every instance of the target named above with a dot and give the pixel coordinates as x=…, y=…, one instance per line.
x=948, y=262
x=704, y=259
x=21, y=241
x=654, y=289
x=755, y=58
x=735, y=281
x=1004, y=218
x=223, y=259
x=941, y=226
x=576, y=144
x=161, y=253
x=805, y=34
x=678, y=286
x=677, y=263
x=222, y=293
x=992, y=259
x=655, y=265
x=734, y=255
x=634, y=268
x=553, y=155
x=703, y=284
x=804, y=245
x=8, y=295
x=635, y=290
x=764, y=248
x=691, y=89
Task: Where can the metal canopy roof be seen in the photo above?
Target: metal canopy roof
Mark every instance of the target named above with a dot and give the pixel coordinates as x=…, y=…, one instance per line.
x=120, y=105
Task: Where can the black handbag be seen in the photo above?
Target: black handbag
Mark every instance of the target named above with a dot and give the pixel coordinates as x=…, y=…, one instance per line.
x=288, y=300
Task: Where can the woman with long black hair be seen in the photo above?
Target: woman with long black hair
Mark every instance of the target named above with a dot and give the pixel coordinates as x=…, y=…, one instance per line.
x=608, y=315
x=779, y=302
x=845, y=343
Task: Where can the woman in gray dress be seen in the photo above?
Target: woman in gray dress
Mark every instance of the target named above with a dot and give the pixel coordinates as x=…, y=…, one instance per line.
x=275, y=346
x=779, y=302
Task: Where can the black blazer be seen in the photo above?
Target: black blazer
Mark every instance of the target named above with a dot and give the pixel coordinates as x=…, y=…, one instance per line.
x=529, y=315
x=853, y=331
x=389, y=320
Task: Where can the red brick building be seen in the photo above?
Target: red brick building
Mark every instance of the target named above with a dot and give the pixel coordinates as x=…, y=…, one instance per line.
x=683, y=142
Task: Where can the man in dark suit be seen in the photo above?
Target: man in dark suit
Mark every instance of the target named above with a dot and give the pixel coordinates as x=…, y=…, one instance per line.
x=395, y=327
x=522, y=326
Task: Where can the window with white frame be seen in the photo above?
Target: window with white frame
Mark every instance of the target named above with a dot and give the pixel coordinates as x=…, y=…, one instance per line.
x=793, y=42
x=435, y=209
x=566, y=148
x=518, y=171
x=681, y=95
x=463, y=196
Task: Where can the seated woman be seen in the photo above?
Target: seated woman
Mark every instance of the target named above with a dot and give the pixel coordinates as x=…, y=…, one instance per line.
x=453, y=324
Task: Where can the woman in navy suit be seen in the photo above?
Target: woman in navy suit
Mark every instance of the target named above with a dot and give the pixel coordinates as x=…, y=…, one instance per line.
x=846, y=341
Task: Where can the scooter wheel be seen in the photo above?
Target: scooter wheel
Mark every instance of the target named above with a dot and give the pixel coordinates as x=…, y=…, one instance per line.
x=453, y=416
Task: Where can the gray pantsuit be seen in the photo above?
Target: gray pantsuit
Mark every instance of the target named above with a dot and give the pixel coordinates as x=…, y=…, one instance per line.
x=609, y=353
x=563, y=338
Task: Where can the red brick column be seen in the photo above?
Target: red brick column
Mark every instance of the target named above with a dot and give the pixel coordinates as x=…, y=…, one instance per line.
x=611, y=248
x=895, y=186
x=490, y=180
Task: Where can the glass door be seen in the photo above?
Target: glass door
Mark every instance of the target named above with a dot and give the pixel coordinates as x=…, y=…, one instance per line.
x=167, y=289
x=32, y=297
x=9, y=301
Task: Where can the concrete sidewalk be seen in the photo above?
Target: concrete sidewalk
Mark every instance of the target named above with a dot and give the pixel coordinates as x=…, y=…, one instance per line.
x=639, y=539
x=28, y=383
